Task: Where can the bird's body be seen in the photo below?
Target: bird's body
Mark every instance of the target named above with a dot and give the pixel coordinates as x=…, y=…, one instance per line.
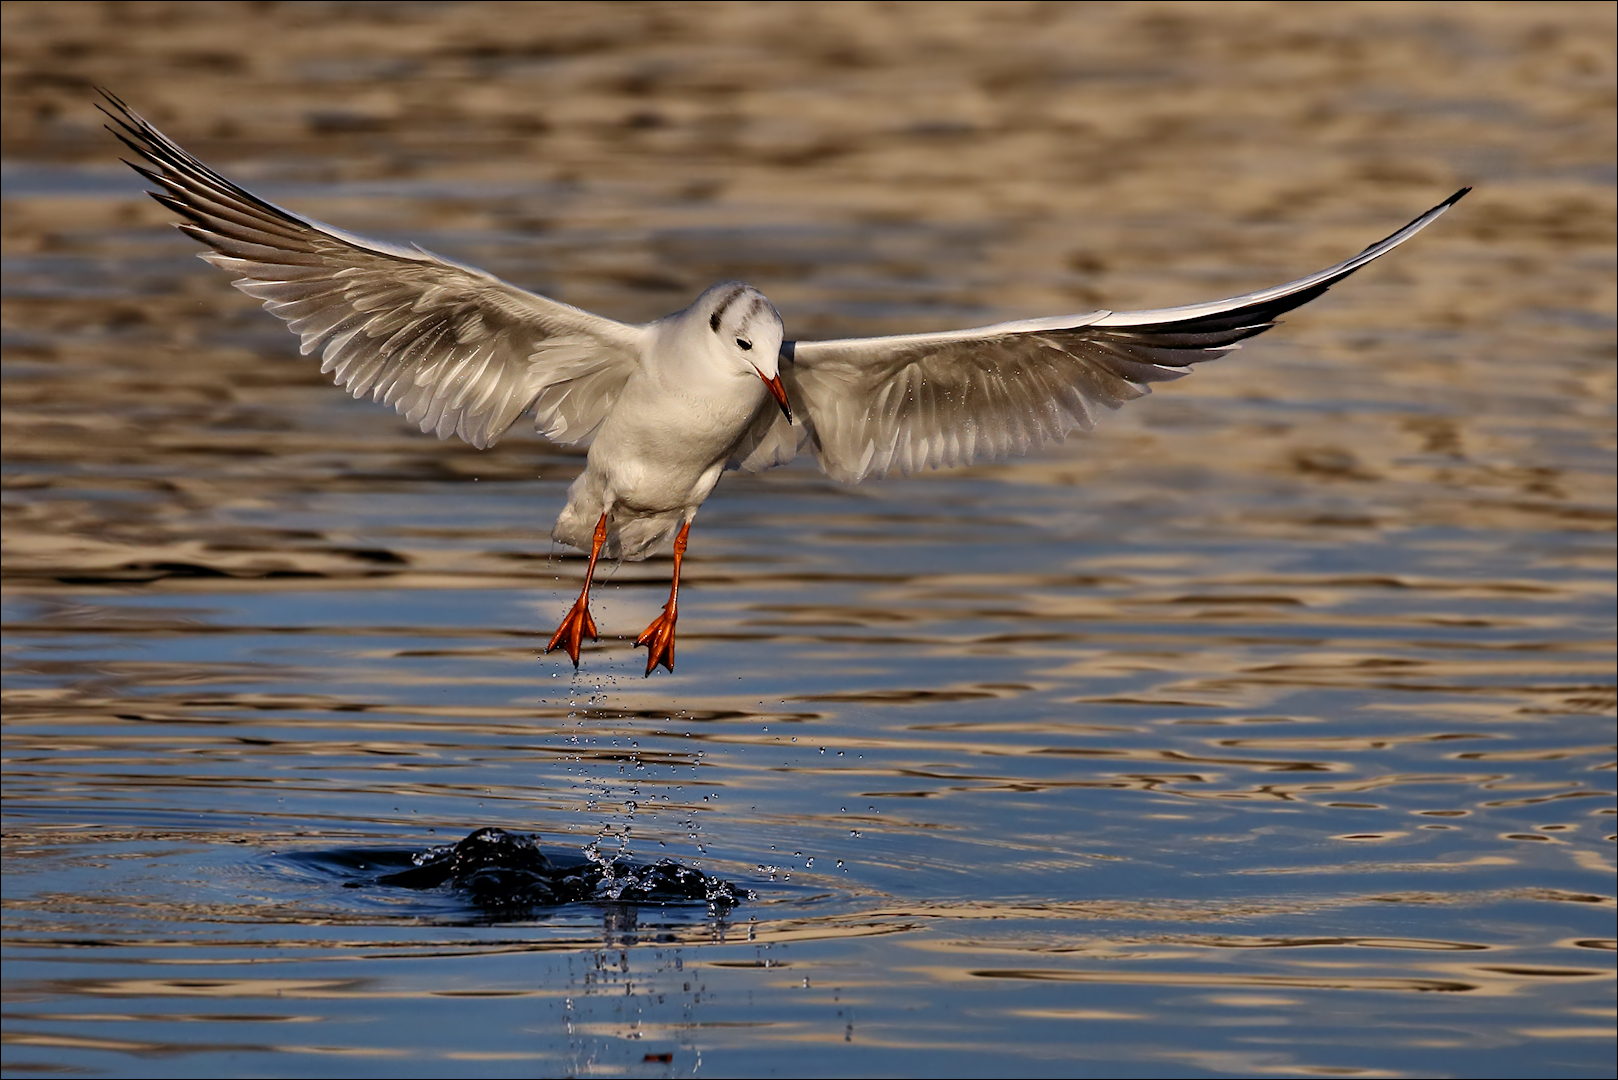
x=667, y=406
x=676, y=423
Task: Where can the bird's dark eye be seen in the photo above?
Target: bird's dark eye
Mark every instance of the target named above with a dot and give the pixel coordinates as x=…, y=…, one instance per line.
x=747, y=346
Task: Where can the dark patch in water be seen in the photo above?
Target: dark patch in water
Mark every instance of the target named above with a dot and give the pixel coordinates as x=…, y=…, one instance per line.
x=501, y=871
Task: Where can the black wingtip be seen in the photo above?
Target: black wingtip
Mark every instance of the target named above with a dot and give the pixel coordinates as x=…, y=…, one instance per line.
x=112, y=98
x=124, y=114
x=1423, y=219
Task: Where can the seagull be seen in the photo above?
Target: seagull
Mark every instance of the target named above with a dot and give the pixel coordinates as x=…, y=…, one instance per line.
x=666, y=407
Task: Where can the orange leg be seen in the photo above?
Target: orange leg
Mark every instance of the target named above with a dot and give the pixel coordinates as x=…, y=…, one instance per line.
x=659, y=637
x=577, y=622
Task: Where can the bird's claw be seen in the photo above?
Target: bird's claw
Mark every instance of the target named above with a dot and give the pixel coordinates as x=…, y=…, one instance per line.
x=575, y=624
x=659, y=641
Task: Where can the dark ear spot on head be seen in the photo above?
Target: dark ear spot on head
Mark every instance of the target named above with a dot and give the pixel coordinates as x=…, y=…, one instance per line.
x=737, y=288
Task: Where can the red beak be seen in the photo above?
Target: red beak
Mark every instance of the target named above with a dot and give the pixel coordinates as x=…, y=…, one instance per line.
x=778, y=392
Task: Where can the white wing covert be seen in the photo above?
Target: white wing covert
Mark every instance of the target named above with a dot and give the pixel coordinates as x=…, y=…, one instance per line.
x=872, y=405
x=452, y=348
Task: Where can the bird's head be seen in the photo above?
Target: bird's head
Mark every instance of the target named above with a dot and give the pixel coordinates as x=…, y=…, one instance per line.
x=746, y=330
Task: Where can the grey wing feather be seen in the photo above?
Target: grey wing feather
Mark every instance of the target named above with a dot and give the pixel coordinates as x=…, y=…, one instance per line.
x=770, y=440
x=452, y=348
x=873, y=405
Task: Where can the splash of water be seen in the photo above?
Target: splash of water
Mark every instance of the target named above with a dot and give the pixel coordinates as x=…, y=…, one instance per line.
x=502, y=870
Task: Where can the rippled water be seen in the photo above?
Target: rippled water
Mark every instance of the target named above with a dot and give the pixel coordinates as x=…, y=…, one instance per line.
x=1269, y=729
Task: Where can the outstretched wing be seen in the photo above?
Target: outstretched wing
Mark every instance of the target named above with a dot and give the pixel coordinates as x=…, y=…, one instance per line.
x=872, y=405
x=454, y=349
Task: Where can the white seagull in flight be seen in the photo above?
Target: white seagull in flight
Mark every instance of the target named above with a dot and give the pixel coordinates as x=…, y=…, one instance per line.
x=668, y=406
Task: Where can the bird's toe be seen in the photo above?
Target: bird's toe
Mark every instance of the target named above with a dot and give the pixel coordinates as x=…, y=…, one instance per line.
x=570, y=635
x=659, y=641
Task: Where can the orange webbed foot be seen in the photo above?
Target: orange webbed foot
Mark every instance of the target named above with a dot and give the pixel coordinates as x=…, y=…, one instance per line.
x=659, y=640
x=575, y=624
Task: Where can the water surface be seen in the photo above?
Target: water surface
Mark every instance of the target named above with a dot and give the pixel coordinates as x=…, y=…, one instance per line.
x=1266, y=730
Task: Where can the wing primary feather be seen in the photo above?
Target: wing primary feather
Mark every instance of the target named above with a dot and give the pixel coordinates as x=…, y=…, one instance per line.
x=1024, y=383
x=442, y=341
